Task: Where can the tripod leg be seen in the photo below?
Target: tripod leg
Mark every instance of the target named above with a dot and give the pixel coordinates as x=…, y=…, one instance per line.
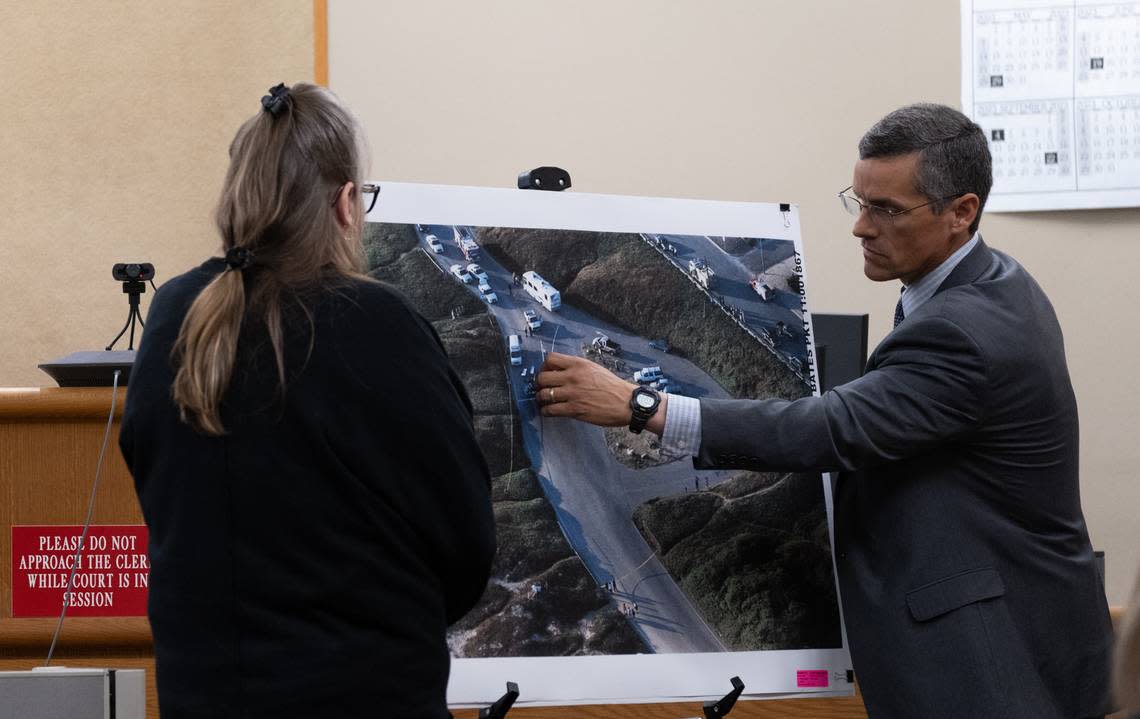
x=125, y=326
x=136, y=316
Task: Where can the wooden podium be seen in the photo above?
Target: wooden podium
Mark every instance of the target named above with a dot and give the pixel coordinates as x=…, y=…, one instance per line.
x=49, y=448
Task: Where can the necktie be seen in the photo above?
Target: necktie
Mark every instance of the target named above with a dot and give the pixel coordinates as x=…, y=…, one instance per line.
x=899, y=309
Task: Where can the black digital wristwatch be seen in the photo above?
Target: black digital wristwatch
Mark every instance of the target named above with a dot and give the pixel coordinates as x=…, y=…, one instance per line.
x=644, y=404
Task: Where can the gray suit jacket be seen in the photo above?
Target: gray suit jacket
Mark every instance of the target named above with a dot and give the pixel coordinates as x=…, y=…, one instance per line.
x=964, y=564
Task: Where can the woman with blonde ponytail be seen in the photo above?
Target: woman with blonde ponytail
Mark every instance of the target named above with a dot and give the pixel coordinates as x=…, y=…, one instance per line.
x=303, y=452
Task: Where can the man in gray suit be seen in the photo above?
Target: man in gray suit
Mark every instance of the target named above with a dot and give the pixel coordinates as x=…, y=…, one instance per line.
x=964, y=564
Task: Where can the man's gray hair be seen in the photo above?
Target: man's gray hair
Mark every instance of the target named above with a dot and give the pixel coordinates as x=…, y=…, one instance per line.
x=955, y=156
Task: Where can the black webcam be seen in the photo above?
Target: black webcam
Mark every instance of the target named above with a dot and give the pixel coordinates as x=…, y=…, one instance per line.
x=133, y=271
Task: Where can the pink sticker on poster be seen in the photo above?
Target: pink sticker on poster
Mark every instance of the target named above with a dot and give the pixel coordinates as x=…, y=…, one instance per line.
x=811, y=678
x=111, y=573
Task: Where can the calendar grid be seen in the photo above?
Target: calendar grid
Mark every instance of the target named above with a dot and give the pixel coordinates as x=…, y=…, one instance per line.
x=1056, y=88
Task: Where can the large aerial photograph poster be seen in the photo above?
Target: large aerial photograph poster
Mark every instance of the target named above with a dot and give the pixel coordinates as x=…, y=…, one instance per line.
x=624, y=574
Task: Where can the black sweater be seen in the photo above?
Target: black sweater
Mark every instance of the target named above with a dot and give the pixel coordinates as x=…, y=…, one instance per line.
x=308, y=562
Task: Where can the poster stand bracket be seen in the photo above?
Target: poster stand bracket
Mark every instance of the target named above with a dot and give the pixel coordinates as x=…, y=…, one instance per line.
x=499, y=709
x=720, y=708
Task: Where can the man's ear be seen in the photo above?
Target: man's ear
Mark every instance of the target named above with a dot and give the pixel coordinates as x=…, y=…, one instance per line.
x=345, y=209
x=965, y=210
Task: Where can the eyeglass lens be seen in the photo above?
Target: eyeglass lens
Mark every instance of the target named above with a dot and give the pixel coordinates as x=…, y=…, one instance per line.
x=854, y=207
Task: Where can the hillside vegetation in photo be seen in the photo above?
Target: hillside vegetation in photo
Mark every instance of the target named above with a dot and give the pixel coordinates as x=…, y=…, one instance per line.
x=754, y=556
x=619, y=279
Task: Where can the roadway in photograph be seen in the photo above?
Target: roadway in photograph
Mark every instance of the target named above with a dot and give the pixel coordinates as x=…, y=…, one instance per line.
x=594, y=495
x=769, y=262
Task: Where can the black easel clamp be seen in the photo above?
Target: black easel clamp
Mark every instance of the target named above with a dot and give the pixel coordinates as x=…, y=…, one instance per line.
x=554, y=179
x=718, y=709
x=499, y=709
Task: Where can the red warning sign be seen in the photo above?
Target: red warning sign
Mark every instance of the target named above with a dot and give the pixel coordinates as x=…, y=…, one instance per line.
x=110, y=577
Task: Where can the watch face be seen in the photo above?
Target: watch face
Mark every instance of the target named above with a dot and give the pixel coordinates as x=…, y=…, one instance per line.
x=645, y=401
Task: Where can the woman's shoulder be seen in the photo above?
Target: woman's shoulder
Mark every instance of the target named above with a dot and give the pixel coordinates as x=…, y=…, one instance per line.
x=375, y=300
x=188, y=284
x=372, y=317
x=365, y=311
x=378, y=293
x=174, y=296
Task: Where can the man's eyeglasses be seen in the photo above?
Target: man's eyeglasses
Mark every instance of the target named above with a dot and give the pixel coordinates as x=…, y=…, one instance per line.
x=881, y=215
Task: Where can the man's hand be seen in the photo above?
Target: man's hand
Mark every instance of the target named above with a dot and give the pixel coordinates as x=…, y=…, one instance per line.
x=575, y=387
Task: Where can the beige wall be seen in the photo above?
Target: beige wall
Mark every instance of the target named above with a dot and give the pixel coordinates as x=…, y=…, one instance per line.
x=116, y=121
x=737, y=100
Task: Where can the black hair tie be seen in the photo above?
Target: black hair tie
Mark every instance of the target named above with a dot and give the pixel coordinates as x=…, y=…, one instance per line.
x=277, y=100
x=238, y=258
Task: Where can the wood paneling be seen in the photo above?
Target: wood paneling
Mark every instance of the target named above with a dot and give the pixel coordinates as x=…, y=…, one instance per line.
x=49, y=451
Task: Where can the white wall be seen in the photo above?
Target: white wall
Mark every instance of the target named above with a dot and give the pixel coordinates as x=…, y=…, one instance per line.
x=736, y=100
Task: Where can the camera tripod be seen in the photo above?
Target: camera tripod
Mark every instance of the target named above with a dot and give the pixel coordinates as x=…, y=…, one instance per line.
x=131, y=288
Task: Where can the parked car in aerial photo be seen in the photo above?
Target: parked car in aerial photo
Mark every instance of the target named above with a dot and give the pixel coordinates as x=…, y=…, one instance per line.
x=532, y=319
x=477, y=272
x=462, y=274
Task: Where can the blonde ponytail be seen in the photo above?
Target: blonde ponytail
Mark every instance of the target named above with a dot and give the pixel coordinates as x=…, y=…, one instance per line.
x=205, y=352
